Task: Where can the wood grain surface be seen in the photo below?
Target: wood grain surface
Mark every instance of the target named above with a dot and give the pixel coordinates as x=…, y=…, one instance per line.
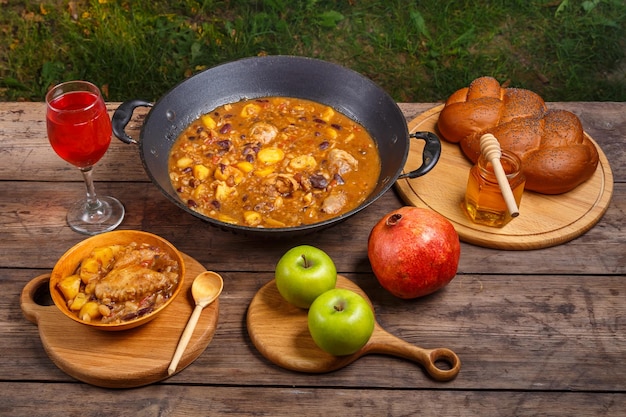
x=540, y=332
x=544, y=220
x=127, y=358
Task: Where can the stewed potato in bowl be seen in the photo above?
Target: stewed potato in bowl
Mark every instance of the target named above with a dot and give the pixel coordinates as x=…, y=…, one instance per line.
x=117, y=280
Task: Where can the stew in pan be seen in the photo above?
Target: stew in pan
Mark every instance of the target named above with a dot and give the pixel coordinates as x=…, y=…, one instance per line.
x=274, y=162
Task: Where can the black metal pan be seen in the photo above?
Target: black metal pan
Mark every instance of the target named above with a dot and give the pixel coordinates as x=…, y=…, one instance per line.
x=343, y=89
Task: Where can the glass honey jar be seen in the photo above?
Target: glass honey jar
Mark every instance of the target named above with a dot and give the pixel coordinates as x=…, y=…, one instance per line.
x=484, y=203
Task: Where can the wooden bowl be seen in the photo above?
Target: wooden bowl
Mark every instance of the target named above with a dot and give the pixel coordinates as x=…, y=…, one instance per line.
x=69, y=262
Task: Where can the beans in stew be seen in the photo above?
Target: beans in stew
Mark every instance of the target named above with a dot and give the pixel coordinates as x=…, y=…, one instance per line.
x=274, y=162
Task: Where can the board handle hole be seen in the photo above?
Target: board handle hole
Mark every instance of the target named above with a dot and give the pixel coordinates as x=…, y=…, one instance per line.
x=443, y=364
x=42, y=295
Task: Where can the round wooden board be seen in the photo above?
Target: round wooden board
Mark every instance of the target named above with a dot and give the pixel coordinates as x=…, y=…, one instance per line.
x=280, y=331
x=127, y=358
x=544, y=220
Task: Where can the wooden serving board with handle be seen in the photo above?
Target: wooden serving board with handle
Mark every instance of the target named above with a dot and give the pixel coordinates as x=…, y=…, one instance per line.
x=280, y=332
x=544, y=220
x=127, y=358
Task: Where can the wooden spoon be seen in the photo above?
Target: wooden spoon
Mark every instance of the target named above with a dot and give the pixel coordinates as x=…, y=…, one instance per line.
x=206, y=287
x=280, y=332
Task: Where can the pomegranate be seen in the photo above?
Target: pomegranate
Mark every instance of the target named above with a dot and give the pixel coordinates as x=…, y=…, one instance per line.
x=413, y=252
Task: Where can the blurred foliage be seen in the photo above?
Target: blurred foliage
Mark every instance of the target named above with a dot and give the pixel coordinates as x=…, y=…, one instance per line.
x=418, y=51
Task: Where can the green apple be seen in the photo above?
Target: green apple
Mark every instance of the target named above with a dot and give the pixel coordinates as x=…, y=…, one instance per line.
x=303, y=273
x=341, y=321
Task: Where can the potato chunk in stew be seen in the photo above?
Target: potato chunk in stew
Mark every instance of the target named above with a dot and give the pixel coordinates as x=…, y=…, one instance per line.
x=274, y=162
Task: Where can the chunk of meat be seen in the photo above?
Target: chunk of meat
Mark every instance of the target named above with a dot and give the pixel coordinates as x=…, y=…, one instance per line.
x=341, y=161
x=145, y=256
x=334, y=203
x=132, y=282
x=263, y=132
x=280, y=184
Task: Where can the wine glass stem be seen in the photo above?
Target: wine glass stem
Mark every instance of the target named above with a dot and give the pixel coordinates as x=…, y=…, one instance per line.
x=93, y=204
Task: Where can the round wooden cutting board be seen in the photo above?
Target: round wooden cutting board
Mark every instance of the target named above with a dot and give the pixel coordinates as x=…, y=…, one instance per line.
x=279, y=330
x=127, y=358
x=544, y=220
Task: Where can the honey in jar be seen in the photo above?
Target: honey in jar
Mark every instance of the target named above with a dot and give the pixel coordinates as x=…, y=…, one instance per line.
x=484, y=203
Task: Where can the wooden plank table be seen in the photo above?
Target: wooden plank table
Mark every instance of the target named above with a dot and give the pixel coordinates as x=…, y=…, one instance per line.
x=539, y=332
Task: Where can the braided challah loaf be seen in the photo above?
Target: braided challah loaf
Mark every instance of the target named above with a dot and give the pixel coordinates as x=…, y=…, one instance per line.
x=556, y=155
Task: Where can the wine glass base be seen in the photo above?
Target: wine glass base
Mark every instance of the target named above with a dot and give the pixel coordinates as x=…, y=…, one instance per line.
x=104, y=217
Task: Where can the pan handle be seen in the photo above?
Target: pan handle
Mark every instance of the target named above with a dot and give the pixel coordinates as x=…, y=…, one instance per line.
x=430, y=154
x=122, y=116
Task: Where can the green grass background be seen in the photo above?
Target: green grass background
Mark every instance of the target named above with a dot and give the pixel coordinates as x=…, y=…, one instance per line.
x=418, y=51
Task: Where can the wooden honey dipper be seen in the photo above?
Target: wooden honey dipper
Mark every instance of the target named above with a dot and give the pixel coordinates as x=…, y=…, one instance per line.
x=490, y=148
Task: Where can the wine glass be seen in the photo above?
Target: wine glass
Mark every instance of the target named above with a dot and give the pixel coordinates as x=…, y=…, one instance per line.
x=79, y=130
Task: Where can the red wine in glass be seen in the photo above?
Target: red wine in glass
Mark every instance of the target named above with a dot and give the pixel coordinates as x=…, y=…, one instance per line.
x=80, y=114
x=79, y=130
